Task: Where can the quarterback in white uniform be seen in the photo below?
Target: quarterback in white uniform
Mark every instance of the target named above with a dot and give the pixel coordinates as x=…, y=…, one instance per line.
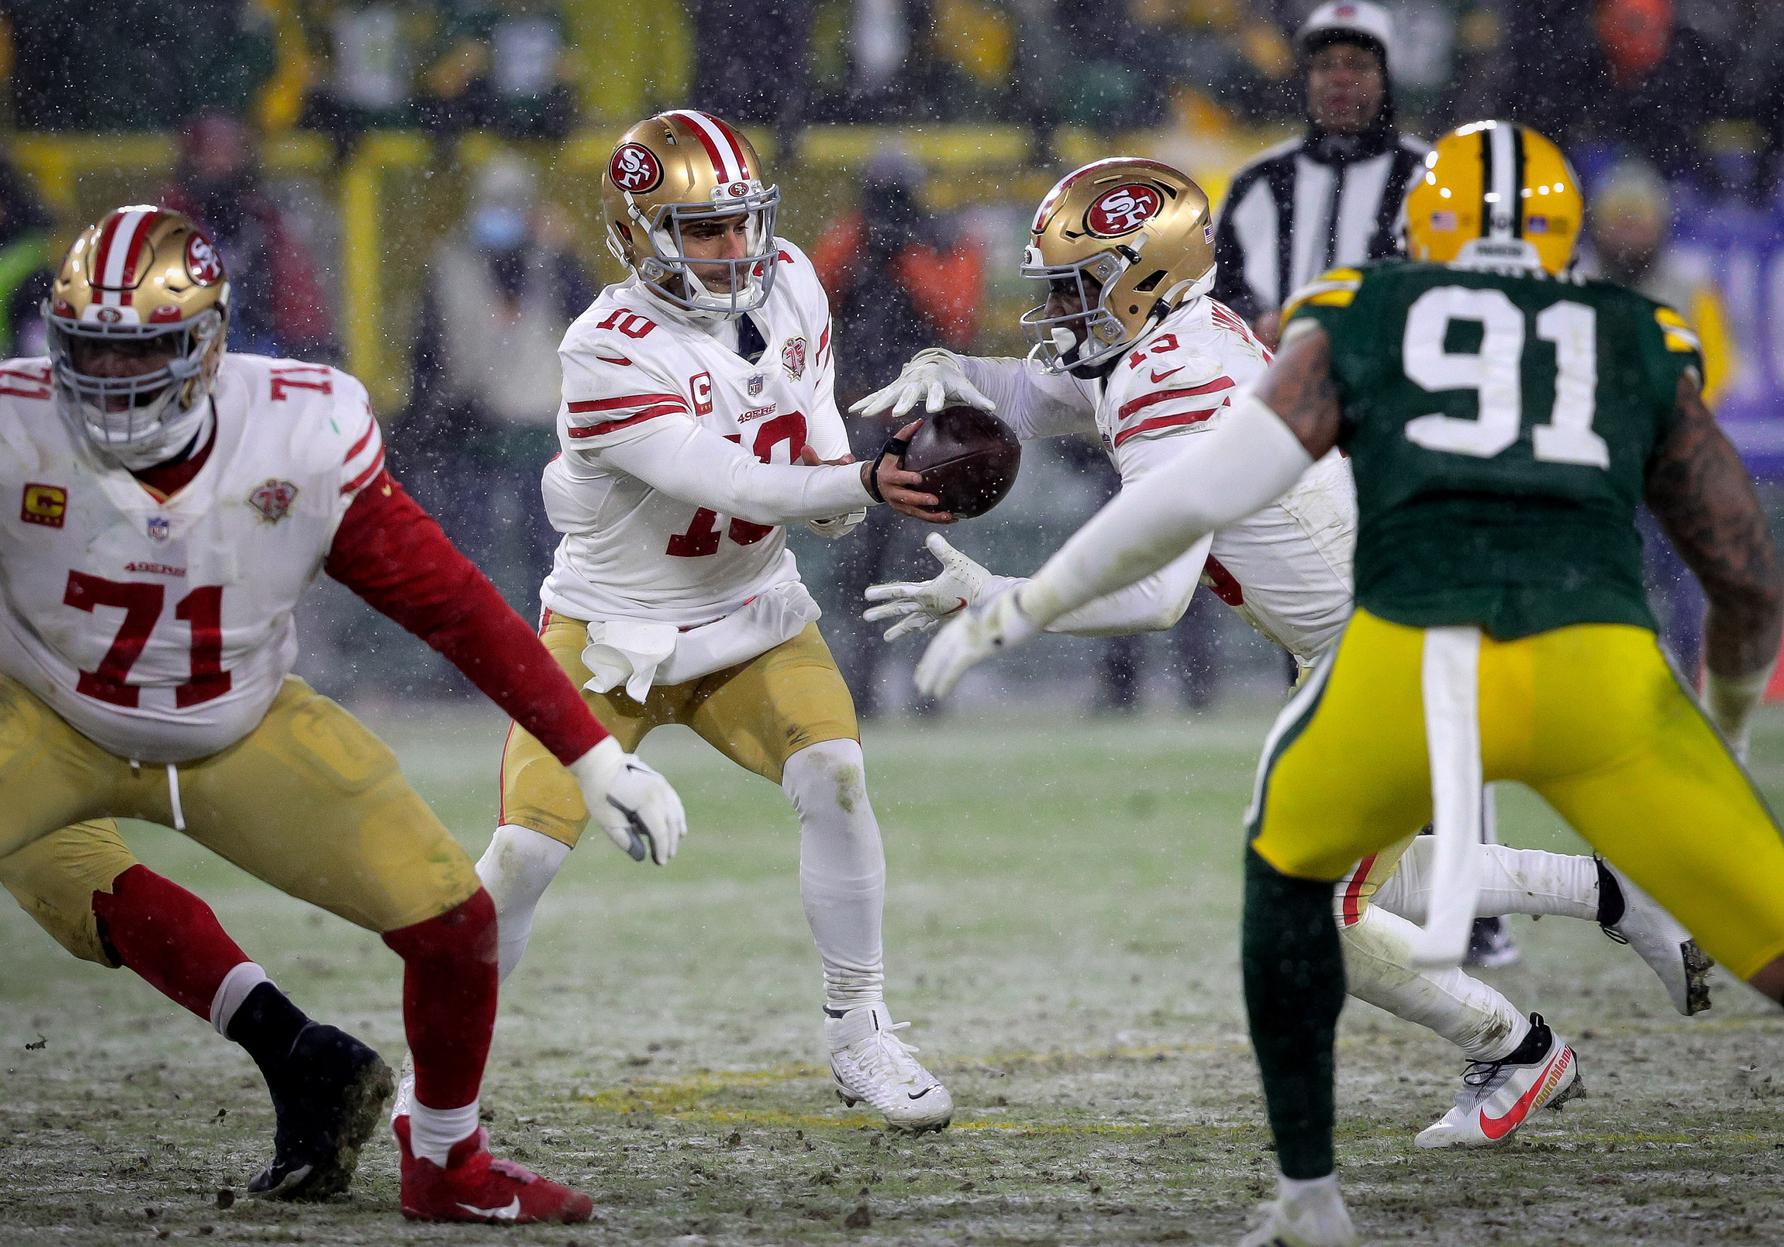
x=1131, y=347
x=698, y=420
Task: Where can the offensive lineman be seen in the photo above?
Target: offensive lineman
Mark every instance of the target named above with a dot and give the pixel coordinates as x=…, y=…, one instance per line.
x=1130, y=347
x=175, y=502
x=695, y=392
x=1504, y=418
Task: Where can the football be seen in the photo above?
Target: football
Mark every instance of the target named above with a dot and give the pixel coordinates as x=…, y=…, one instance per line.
x=967, y=458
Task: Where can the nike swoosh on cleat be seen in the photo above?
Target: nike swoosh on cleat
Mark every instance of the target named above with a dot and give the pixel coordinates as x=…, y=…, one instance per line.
x=1496, y=1128
x=509, y=1213
x=918, y=1095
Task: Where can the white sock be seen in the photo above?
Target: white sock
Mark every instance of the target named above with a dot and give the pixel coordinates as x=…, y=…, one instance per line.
x=1290, y=1190
x=516, y=868
x=1513, y=881
x=842, y=869
x=433, y=1131
x=232, y=991
x=1467, y=1012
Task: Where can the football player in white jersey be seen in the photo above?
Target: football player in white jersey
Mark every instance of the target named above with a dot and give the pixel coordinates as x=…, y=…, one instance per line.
x=1130, y=347
x=174, y=504
x=698, y=420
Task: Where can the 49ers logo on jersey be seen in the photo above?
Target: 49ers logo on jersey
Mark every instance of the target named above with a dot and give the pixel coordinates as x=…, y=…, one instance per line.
x=202, y=263
x=1122, y=210
x=273, y=500
x=635, y=168
x=793, y=357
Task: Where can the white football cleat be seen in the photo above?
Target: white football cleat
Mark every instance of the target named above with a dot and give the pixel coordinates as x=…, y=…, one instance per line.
x=870, y=1063
x=1313, y=1217
x=1498, y=1096
x=1659, y=939
x=405, y=1089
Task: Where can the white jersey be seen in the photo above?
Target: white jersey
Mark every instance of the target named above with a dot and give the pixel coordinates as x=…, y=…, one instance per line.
x=1286, y=569
x=673, y=482
x=162, y=630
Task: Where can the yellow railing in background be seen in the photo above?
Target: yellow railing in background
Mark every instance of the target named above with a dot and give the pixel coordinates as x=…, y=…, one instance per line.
x=397, y=193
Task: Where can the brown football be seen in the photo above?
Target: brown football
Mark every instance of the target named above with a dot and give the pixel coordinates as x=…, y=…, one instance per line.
x=968, y=459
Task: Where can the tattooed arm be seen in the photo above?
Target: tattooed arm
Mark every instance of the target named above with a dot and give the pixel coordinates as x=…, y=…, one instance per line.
x=1300, y=390
x=1700, y=491
x=1246, y=461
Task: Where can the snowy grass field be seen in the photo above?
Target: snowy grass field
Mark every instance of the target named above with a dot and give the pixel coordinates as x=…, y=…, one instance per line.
x=1062, y=929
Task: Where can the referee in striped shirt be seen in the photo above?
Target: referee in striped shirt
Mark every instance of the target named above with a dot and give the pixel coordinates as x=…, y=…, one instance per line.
x=1332, y=196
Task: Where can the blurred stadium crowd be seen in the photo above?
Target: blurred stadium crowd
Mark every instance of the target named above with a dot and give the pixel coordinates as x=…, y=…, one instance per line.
x=408, y=188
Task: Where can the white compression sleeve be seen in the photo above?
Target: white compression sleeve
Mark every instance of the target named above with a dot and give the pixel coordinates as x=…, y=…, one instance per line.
x=1513, y=881
x=516, y=868
x=1731, y=701
x=699, y=467
x=1151, y=604
x=1378, y=969
x=1224, y=475
x=842, y=869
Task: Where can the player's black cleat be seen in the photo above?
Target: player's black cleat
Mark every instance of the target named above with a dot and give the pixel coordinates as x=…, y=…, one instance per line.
x=329, y=1095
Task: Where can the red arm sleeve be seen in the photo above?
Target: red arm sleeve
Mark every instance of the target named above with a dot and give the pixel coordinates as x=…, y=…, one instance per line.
x=391, y=553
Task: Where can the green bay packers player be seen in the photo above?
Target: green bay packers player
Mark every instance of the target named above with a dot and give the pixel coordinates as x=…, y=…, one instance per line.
x=698, y=419
x=1504, y=419
x=1146, y=360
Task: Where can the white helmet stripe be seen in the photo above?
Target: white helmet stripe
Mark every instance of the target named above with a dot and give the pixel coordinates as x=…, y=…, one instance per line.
x=724, y=154
x=116, y=262
x=1505, y=180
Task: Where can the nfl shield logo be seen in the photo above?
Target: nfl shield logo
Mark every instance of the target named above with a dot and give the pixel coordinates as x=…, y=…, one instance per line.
x=158, y=528
x=755, y=384
x=793, y=357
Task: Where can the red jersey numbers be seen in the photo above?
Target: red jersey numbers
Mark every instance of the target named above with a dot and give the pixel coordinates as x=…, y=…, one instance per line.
x=141, y=603
x=1166, y=342
x=629, y=323
x=702, y=536
x=313, y=377
x=25, y=381
x=700, y=386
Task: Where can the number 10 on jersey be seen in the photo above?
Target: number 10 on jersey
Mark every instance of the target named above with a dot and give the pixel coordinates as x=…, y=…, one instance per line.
x=702, y=536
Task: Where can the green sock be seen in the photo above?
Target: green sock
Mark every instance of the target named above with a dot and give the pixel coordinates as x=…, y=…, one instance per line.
x=1294, y=989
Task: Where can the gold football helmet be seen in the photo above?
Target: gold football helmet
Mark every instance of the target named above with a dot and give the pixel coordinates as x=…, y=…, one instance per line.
x=1495, y=192
x=682, y=166
x=1140, y=231
x=141, y=284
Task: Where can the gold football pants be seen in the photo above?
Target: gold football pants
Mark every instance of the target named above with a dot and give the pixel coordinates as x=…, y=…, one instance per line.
x=758, y=714
x=1591, y=717
x=309, y=801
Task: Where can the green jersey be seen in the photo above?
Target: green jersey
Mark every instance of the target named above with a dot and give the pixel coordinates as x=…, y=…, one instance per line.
x=1500, y=425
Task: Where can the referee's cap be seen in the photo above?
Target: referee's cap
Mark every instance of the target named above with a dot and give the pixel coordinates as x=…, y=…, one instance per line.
x=1345, y=21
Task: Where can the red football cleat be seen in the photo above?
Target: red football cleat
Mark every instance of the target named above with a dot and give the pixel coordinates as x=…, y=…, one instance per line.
x=475, y=1186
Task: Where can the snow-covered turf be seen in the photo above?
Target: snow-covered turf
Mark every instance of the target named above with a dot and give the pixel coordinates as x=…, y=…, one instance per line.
x=1062, y=930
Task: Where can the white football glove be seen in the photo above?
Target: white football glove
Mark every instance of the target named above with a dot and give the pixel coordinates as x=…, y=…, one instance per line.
x=991, y=627
x=920, y=606
x=634, y=804
x=933, y=377
x=837, y=525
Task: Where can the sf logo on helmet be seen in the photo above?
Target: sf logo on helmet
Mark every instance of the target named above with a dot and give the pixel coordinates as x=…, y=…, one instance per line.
x=634, y=168
x=201, y=260
x=1122, y=210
